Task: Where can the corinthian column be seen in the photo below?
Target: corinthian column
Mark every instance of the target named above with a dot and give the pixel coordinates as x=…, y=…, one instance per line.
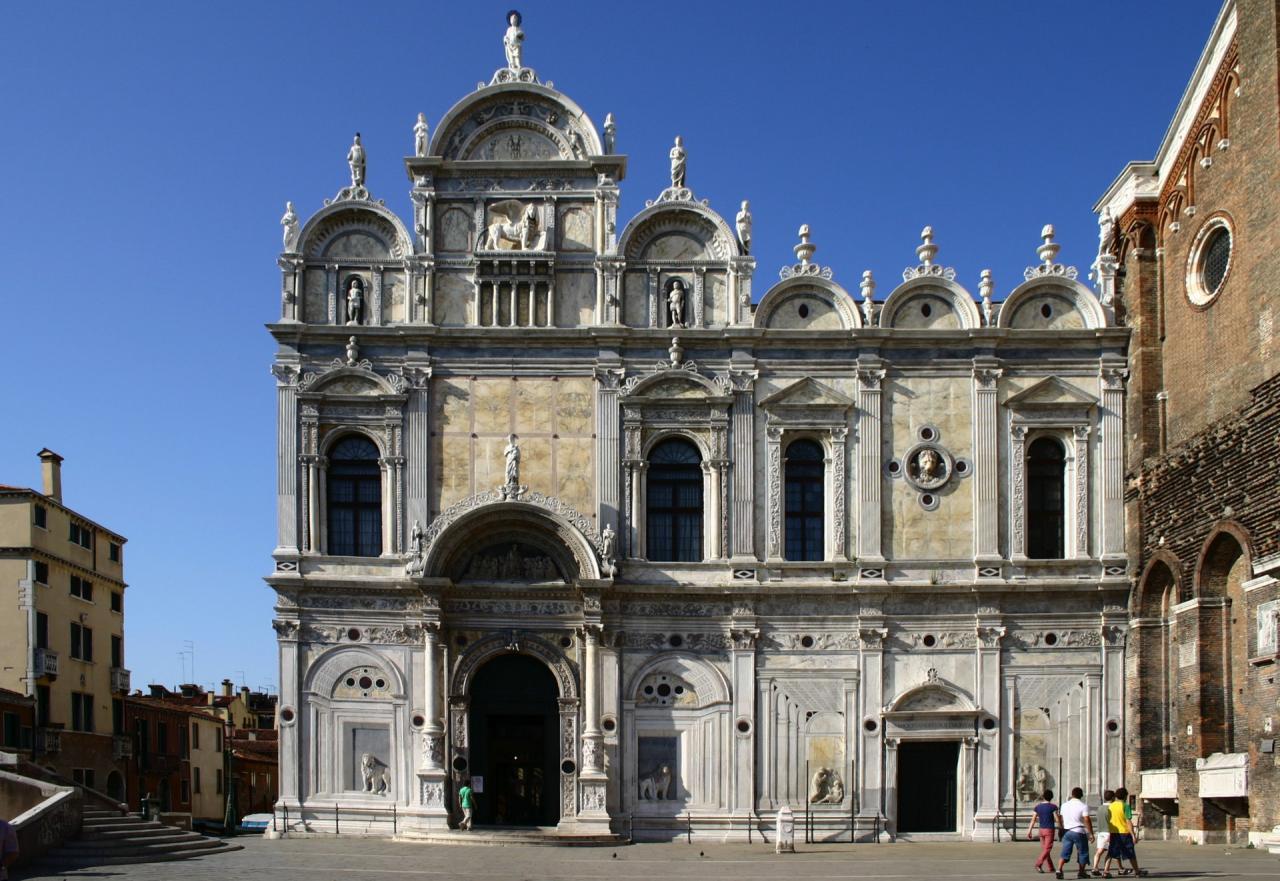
x=432, y=729
x=592, y=759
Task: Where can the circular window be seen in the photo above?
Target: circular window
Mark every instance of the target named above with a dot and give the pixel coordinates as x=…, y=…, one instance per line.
x=675, y=641
x=928, y=501
x=664, y=690
x=803, y=310
x=353, y=634
x=928, y=433
x=351, y=682
x=807, y=641
x=744, y=726
x=1210, y=261
x=895, y=466
x=962, y=466
x=460, y=764
x=609, y=724
x=567, y=766
x=648, y=689
x=381, y=683
x=565, y=642
x=366, y=683
x=1046, y=310
x=929, y=640
x=286, y=715
x=869, y=725
x=418, y=721
x=926, y=310
x=988, y=724
x=1112, y=726
x=1051, y=639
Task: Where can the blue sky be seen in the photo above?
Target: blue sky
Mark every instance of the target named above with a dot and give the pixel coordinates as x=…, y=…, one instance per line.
x=149, y=149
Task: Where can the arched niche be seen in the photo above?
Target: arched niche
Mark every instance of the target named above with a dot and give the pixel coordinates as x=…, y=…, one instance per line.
x=1052, y=303
x=1158, y=588
x=933, y=697
x=456, y=544
x=677, y=232
x=807, y=304
x=352, y=231
x=555, y=127
x=326, y=672
x=708, y=682
x=930, y=303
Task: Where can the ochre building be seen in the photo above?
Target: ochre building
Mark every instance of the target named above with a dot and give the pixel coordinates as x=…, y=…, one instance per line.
x=579, y=508
x=1193, y=234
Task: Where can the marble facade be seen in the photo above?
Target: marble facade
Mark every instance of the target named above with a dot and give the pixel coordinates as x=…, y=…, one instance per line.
x=514, y=308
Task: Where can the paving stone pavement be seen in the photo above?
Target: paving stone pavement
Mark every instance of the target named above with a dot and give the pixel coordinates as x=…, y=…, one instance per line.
x=330, y=859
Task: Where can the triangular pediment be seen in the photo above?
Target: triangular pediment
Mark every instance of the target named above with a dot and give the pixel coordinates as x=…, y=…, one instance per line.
x=808, y=393
x=1051, y=392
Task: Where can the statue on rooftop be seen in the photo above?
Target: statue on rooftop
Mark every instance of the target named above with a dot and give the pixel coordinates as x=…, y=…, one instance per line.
x=355, y=159
x=420, y=135
x=290, y=224
x=679, y=159
x=513, y=40
x=610, y=134
x=743, y=221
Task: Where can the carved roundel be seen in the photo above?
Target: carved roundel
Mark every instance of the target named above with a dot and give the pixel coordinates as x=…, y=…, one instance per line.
x=928, y=466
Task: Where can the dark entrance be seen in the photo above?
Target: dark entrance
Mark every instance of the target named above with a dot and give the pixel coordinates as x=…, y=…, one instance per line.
x=514, y=727
x=927, y=785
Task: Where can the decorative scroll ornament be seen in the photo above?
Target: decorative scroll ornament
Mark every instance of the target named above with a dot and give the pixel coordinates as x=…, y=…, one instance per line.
x=1047, y=252
x=926, y=251
x=804, y=253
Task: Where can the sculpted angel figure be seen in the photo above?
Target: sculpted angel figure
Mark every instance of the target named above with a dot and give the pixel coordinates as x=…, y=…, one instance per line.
x=513, y=40
x=420, y=135
x=355, y=159
x=679, y=159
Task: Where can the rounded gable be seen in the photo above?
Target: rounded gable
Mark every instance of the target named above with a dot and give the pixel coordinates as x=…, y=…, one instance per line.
x=807, y=303
x=515, y=121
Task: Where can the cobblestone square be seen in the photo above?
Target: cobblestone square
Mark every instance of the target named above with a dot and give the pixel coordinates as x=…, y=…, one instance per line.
x=340, y=858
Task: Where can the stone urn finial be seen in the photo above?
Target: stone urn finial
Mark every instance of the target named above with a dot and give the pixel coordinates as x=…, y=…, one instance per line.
x=353, y=352
x=927, y=250
x=1049, y=250
x=805, y=250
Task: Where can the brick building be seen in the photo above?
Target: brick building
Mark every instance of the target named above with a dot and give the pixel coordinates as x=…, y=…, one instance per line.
x=1191, y=237
x=177, y=758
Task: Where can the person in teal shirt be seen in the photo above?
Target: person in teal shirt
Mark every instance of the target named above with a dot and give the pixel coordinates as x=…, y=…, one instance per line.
x=467, y=801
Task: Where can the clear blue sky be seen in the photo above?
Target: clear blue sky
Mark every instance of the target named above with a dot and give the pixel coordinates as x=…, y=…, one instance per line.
x=149, y=149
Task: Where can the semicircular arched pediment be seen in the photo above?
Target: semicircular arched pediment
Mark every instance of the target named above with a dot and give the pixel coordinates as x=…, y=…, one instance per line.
x=932, y=698
x=676, y=233
x=549, y=126
x=353, y=232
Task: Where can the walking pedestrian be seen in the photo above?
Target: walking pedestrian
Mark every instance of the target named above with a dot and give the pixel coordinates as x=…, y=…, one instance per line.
x=466, y=801
x=1104, y=837
x=1121, y=846
x=1045, y=813
x=1077, y=827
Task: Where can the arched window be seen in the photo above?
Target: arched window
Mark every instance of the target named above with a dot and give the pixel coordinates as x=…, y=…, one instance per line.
x=1046, y=470
x=674, y=504
x=804, y=503
x=355, y=499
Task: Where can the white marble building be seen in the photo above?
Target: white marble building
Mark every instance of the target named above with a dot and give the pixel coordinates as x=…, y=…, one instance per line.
x=583, y=511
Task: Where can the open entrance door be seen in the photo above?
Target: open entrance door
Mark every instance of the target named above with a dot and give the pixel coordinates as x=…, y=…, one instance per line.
x=927, y=785
x=513, y=726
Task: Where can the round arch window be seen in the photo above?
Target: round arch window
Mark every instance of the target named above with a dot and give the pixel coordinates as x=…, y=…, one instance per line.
x=1210, y=261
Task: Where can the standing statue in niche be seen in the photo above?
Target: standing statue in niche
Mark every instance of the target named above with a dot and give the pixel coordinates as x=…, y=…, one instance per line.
x=511, y=490
x=355, y=160
x=743, y=222
x=355, y=300
x=675, y=304
x=1042, y=778
x=513, y=40
x=420, y=135
x=416, y=564
x=607, y=537
x=1026, y=787
x=290, y=224
x=679, y=160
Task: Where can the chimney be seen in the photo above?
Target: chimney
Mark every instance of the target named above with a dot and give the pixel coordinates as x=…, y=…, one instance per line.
x=51, y=474
x=227, y=686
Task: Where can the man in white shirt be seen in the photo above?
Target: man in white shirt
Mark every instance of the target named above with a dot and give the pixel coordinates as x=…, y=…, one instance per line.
x=1077, y=829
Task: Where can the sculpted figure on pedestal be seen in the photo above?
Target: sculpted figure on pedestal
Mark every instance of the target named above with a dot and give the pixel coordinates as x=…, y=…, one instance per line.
x=525, y=234
x=513, y=40
x=679, y=159
x=610, y=134
x=675, y=304
x=420, y=136
x=355, y=159
x=512, y=455
x=657, y=785
x=290, y=224
x=743, y=222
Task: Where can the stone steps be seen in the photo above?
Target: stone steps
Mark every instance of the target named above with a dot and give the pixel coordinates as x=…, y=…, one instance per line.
x=537, y=835
x=110, y=838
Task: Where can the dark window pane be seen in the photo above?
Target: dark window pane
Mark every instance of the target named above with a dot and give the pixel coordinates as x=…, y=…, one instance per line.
x=355, y=499
x=674, y=502
x=1046, y=471
x=804, y=500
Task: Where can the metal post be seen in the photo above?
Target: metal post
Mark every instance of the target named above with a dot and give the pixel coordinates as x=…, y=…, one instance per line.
x=393, y=818
x=688, y=820
x=335, y=818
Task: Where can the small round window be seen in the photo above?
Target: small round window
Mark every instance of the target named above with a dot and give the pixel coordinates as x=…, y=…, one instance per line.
x=1210, y=262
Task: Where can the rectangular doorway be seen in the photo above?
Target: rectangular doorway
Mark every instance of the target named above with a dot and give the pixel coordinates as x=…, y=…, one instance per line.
x=927, y=785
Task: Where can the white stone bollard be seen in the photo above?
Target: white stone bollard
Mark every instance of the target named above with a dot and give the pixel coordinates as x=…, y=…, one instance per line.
x=785, y=841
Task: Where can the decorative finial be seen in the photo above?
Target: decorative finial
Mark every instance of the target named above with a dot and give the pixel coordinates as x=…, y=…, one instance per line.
x=927, y=249
x=610, y=134
x=986, y=286
x=353, y=352
x=513, y=41
x=804, y=250
x=868, y=288
x=1049, y=250
x=420, y=135
x=676, y=352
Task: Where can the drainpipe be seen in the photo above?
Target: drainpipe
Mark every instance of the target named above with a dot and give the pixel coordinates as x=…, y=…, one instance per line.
x=27, y=602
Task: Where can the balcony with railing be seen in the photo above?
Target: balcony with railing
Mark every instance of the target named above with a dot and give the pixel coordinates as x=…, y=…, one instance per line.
x=47, y=663
x=49, y=740
x=119, y=679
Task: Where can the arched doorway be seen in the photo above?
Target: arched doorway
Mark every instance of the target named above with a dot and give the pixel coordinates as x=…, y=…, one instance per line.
x=115, y=786
x=514, y=726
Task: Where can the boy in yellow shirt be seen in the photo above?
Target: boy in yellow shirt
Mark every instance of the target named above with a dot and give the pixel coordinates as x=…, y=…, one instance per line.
x=1121, y=846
